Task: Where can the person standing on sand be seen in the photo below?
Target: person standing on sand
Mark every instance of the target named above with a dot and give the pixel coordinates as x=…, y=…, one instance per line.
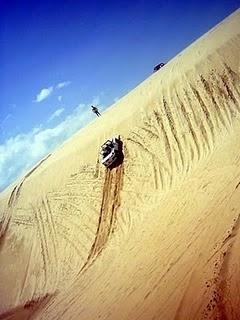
x=95, y=110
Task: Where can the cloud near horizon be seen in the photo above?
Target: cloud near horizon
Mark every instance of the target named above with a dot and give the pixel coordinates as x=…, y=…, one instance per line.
x=56, y=114
x=18, y=154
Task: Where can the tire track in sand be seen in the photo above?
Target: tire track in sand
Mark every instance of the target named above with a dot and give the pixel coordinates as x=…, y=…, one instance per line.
x=52, y=234
x=156, y=174
x=173, y=128
x=190, y=126
x=48, y=240
x=43, y=242
x=107, y=218
x=15, y=194
x=12, y=197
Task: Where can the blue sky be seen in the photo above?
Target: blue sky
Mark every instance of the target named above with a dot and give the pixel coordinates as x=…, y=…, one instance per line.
x=59, y=57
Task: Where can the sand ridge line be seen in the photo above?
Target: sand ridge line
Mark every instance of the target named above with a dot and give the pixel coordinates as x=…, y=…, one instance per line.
x=220, y=296
x=28, y=310
x=224, y=267
x=16, y=190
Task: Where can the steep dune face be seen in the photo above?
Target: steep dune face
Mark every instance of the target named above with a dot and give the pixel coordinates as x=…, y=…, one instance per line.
x=156, y=237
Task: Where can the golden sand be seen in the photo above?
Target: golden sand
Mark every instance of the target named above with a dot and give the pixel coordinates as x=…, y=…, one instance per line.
x=158, y=237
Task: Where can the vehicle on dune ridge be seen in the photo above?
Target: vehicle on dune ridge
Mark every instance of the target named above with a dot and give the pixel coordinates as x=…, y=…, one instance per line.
x=111, y=152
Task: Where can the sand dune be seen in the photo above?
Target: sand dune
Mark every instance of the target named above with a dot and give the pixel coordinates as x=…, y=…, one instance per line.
x=156, y=237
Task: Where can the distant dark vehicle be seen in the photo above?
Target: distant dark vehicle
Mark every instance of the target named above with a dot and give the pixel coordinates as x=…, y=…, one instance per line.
x=158, y=66
x=111, y=152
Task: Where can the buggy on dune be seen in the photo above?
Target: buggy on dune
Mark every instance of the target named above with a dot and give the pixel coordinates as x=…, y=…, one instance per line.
x=158, y=66
x=111, y=152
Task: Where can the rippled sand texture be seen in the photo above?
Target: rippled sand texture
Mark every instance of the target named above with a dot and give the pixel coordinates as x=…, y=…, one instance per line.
x=157, y=237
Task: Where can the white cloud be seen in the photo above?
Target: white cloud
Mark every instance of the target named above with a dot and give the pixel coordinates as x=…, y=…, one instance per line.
x=63, y=84
x=18, y=154
x=3, y=123
x=44, y=93
x=56, y=114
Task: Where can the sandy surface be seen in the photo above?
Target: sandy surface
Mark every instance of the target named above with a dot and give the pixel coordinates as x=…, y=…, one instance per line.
x=157, y=237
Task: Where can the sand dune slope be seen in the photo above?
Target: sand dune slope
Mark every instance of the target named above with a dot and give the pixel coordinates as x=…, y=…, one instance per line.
x=156, y=237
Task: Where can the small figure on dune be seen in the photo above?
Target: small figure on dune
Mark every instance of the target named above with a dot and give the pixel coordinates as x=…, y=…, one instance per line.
x=95, y=110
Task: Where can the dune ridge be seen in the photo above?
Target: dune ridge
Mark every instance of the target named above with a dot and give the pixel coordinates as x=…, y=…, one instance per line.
x=158, y=236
